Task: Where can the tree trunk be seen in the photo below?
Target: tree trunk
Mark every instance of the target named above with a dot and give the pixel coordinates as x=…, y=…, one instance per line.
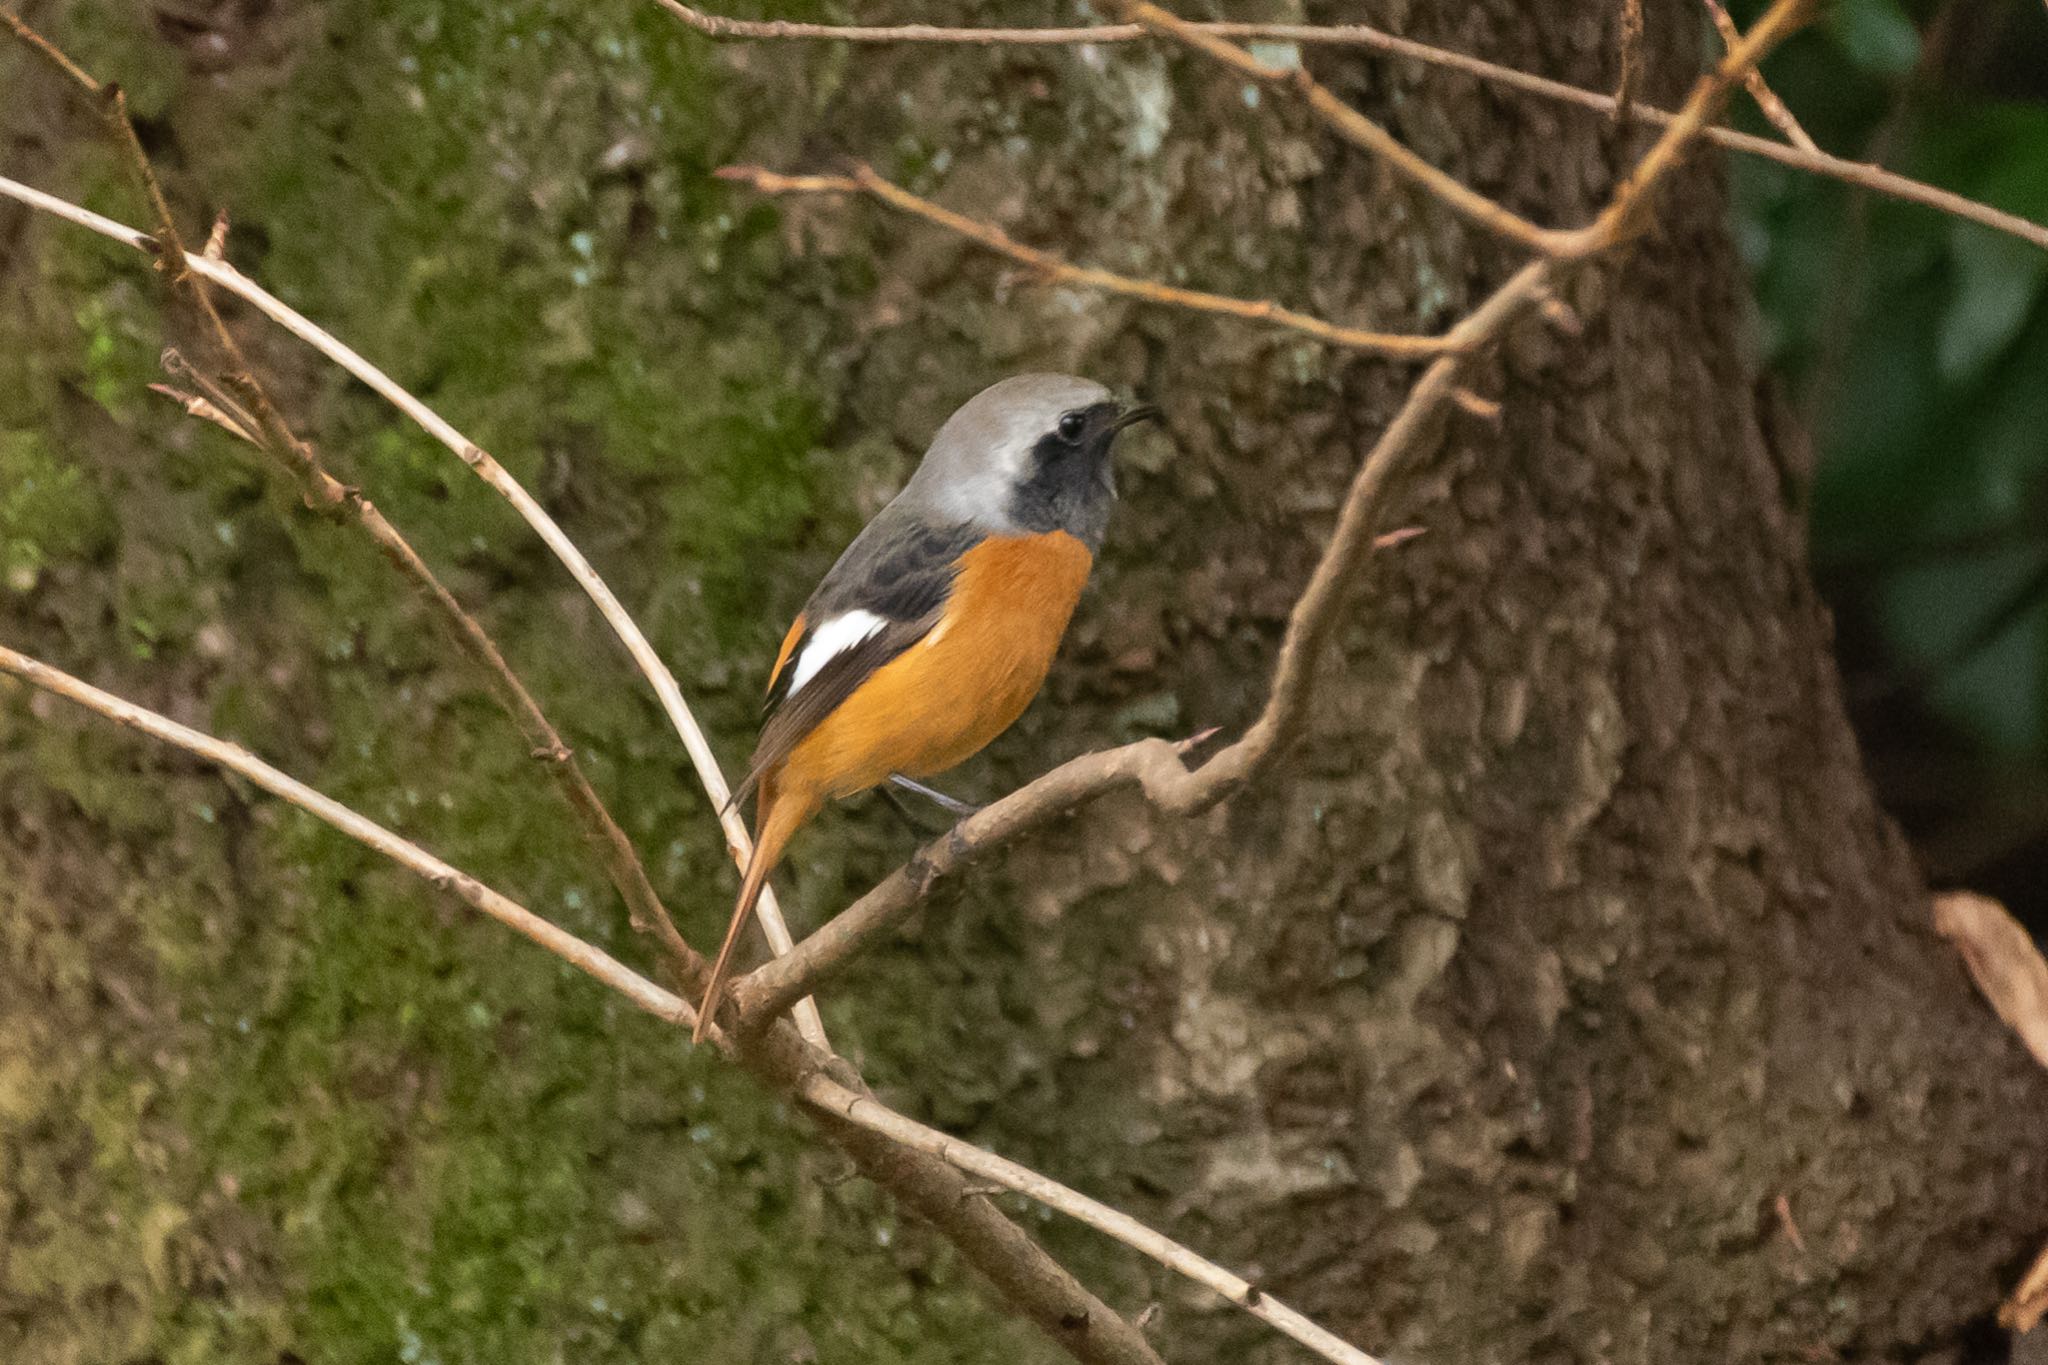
x=1564, y=996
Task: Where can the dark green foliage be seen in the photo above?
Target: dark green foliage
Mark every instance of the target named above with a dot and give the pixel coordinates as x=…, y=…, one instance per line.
x=1916, y=347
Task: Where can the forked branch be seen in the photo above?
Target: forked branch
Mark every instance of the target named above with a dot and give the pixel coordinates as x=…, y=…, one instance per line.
x=1766, y=98
x=916, y=1163
x=1351, y=125
x=225, y=276
x=1155, y=766
x=1800, y=158
x=251, y=413
x=1615, y=221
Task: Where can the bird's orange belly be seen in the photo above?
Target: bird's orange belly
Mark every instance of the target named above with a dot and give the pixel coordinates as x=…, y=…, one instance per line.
x=966, y=682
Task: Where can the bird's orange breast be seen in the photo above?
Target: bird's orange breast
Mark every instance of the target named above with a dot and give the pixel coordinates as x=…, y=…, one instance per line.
x=964, y=683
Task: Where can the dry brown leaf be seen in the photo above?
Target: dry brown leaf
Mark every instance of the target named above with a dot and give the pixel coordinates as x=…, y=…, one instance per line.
x=2013, y=976
x=2029, y=1303
x=2003, y=961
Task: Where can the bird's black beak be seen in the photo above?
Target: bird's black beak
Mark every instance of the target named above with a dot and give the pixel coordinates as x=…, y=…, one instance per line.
x=1131, y=416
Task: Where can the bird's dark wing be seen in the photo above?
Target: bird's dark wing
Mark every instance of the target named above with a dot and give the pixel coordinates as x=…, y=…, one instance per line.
x=900, y=569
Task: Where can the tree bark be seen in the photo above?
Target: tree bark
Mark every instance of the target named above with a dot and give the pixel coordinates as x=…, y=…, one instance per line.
x=1567, y=996
x=1564, y=996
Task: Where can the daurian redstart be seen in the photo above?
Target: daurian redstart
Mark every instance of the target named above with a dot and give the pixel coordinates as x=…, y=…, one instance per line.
x=936, y=627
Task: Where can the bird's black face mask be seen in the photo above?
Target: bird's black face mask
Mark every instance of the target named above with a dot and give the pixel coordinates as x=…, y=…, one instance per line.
x=1071, y=481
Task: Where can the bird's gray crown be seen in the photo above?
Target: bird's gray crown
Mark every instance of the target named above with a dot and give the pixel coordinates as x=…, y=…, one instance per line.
x=983, y=452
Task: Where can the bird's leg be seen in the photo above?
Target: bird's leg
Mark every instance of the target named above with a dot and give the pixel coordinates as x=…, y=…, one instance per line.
x=903, y=811
x=951, y=805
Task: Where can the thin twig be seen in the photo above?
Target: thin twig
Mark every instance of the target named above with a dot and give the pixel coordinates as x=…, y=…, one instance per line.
x=1782, y=1206
x=1709, y=93
x=651, y=667
x=1813, y=162
x=1156, y=766
x=865, y=1110
x=1351, y=125
x=805, y=1076
x=1612, y=223
x=212, y=395
x=208, y=410
x=586, y=958
x=1759, y=89
x=258, y=419
x=1053, y=270
x=1631, y=78
x=717, y=26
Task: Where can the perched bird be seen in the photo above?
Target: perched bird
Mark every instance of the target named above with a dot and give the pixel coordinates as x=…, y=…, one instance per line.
x=936, y=627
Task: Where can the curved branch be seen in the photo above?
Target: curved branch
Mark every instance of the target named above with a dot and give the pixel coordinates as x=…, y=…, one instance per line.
x=1351, y=125
x=1610, y=225
x=1767, y=101
x=259, y=421
x=1155, y=765
x=916, y=1163
x=220, y=273
x=761, y=995
x=1813, y=162
x=865, y=180
x=587, y=958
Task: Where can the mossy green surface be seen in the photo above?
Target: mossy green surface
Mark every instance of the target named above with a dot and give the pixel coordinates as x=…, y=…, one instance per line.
x=263, y=1098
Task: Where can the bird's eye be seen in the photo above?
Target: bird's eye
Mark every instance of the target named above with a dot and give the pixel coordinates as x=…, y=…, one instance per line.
x=1071, y=426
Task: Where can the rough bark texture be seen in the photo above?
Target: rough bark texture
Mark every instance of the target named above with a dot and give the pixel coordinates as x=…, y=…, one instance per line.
x=1492, y=1028
x=1497, y=1026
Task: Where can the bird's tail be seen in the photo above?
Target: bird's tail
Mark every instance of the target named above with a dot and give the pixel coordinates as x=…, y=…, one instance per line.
x=778, y=816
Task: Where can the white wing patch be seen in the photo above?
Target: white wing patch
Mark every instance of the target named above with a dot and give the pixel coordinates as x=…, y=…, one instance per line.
x=835, y=636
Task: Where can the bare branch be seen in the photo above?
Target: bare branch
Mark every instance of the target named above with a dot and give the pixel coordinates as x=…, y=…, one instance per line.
x=1631, y=59
x=1766, y=98
x=1613, y=222
x=1155, y=765
x=207, y=410
x=586, y=958
x=1350, y=125
x=716, y=26
x=1169, y=1253
x=216, y=247
x=258, y=419
x=1053, y=270
x=225, y=276
x=1485, y=409
x=1038, y=1286
x=1814, y=162
x=905, y=1159
x=1632, y=199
